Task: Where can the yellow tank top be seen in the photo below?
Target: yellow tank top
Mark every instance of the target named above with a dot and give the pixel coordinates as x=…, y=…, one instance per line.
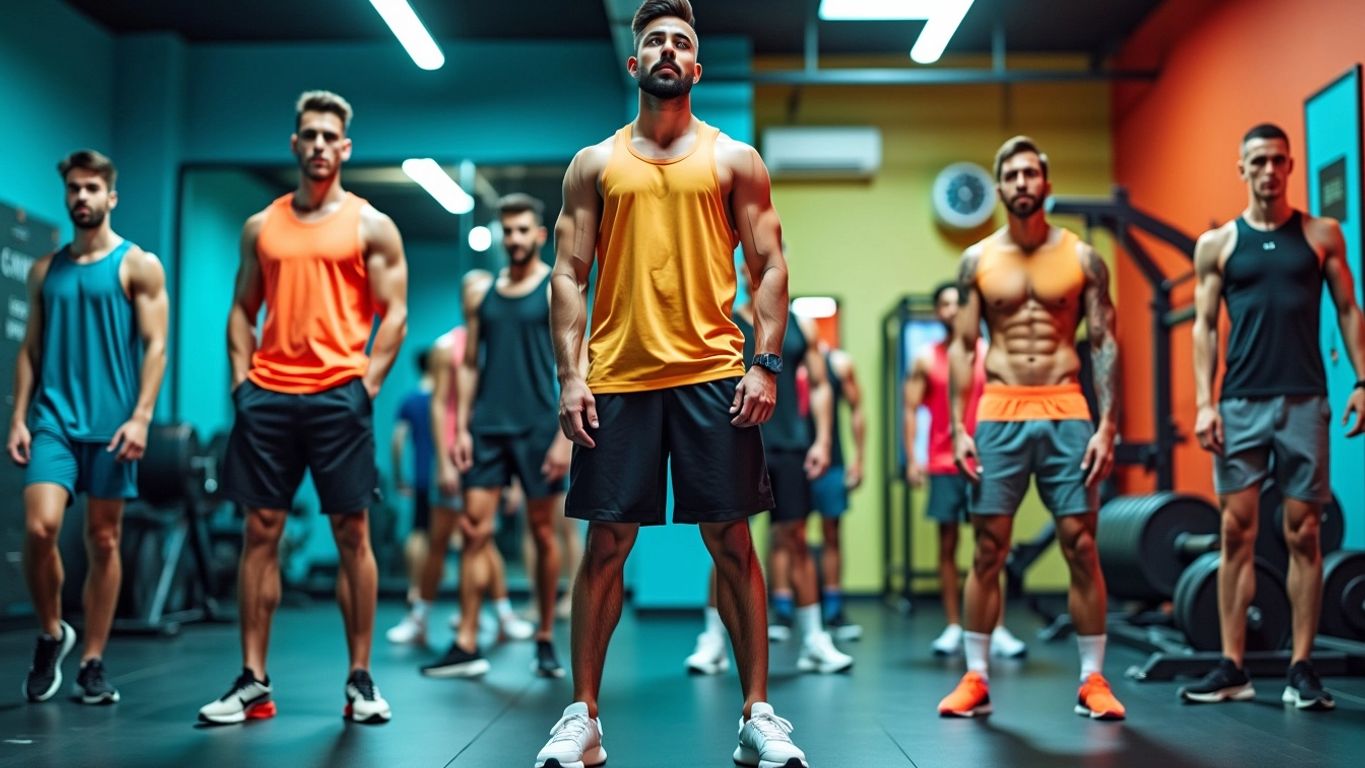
x=665, y=273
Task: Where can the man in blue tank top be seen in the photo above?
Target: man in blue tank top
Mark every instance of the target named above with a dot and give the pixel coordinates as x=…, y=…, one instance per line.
x=508, y=426
x=86, y=382
x=1268, y=265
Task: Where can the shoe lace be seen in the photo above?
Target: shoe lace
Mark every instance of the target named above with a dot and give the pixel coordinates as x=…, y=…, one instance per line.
x=92, y=674
x=1307, y=677
x=45, y=655
x=569, y=728
x=364, y=684
x=772, y=727
x=243, y=681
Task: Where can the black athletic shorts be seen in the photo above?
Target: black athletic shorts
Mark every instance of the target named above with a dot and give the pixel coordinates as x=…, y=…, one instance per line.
x=277, y=436
x=791, y=489
x=499, y=458
x=718, y=470
x=421, y=509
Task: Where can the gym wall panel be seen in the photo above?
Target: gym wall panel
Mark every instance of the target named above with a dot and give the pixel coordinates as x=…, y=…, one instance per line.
x=1225, y=67
x=869, y=243
x=56, y=83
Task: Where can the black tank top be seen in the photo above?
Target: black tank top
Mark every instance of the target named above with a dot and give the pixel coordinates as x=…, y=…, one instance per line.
x=517, y=387
x=1272, y=284
x=786, y=430
x=836, y=398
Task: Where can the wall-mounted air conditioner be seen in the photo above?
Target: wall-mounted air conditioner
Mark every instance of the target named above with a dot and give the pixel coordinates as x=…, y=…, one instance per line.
x=831, y=152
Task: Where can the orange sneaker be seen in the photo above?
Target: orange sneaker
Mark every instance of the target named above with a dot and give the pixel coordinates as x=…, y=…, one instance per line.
x=1096, y=701
x=970, y=698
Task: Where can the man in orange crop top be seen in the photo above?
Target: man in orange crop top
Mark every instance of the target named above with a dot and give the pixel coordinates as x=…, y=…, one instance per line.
x=659, y=209
x=1033, y=284
x=324, y=263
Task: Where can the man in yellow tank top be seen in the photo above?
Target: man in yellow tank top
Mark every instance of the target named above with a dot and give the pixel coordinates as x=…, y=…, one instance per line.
x=1033, y=284
x=659, y=208
x=324, y=263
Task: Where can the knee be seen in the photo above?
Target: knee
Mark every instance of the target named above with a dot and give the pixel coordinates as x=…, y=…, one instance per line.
x=43, y=534
x=1238, y=537
x=543, y=534
x=1082, y=554
x=605, y=551
x=947, y=542
x=263, y=532
x=831, y=536
x=351, y=535
x=989, y=557
x=1304, y=540
x=102, y=543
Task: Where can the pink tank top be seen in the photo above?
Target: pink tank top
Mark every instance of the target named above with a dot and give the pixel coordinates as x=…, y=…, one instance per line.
x=936, y=399
x=455, y=340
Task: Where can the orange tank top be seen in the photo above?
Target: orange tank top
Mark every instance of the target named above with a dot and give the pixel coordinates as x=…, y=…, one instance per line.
x=318, y=310
x=1051, y=274
x=666, y=273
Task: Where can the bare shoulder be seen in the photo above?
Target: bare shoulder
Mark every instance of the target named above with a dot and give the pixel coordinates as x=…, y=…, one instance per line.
x=253, y=224
x=736, y=155
x=475, y=286
x=376, y=225
x=591, y=160
x=1321, y=231
x=140, y=260
x=1215, y=244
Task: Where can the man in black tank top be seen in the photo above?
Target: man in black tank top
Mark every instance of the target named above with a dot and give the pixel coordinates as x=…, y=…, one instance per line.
x=507, y=426
x=1269, y=265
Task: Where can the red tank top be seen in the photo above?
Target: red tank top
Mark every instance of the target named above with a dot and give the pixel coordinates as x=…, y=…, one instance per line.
x=937, y=400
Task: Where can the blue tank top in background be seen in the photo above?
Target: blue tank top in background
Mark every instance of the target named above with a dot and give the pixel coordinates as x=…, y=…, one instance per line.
x=88, y=380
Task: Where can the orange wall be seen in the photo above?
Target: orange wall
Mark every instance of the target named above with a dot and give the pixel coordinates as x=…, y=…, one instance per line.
x=1226, y=65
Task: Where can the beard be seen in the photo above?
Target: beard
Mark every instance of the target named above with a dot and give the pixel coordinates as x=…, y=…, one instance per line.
x=1024, y=206
x=90, y=218
x=519, y=256
x=316, y=173
x=663, y=89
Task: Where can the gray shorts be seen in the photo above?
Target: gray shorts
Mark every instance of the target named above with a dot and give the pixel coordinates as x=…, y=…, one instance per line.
x=1010, y=452
x=948, y=499
x=1287, y=435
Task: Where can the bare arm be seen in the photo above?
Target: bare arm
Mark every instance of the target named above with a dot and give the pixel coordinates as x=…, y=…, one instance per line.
x=962, y=347
x=388, y=271
x=1104, y=348
x=1337, y=271
x=1208, y=294
x=247, y=297
x=913, y=391
x=575, y=250
x=147, y=279
x=853, y=395
x=27, y=364
x=438, y=367
x=821, y=404
x=475, y=290
x=400, y=436
x=760, y=232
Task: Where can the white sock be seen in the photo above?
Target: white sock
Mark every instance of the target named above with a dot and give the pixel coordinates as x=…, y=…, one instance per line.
x=714, y=625
x=1092, y=653
x=808, y=620
x=420, y=609
x=977, y=647
x=504, y=608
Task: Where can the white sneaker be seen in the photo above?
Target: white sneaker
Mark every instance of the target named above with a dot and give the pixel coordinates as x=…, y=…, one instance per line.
x=364, y=704
x=410, y=631
x=247, y=699
x=513, y=627
x=575, y=741
x=765, y=740
x=564, y=608
x=1006, y=646
x=710, y=656
x=949, y=642
x=818, y=654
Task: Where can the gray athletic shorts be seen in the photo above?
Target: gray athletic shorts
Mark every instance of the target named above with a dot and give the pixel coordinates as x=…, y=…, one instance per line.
x=1011, y=452
x=948, y=499
x=1290, y=430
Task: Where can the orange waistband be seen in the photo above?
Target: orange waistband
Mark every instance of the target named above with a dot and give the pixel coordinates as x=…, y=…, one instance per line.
x=1004, y=402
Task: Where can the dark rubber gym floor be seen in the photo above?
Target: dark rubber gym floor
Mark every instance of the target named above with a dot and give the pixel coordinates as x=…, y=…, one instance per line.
x=653, y=714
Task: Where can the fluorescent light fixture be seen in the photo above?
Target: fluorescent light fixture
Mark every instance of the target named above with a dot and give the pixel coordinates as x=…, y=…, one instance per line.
x=815, y=307
x=403, y=21
x=434, y=179
x=942, y=18
x=480, y=238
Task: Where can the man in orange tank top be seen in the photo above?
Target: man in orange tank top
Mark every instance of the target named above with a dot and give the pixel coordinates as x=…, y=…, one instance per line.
x=927, y=386
x=659, y=208
x=1033, y=284
x=324, y=263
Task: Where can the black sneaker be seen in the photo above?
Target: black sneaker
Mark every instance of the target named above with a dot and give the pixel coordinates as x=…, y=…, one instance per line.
x=45, y=676
x=92, y=686
x=1226, y=682
x=841, y=628
x=1305, y=689
x=364, y=704
x=546, y=665
x=779, y=627
x=457, y=662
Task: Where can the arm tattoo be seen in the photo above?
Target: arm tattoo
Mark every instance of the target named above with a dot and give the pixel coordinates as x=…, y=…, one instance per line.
x=1104, y=350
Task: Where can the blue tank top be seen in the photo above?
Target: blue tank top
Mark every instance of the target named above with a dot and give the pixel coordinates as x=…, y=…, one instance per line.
x=88, y=381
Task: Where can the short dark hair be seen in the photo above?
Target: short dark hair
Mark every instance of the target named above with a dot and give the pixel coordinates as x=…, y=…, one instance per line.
x=650, y=10
x=520, y=202
x=1265, y=131
x=1015, y=146
x=89, y=160
x=943, y=288
x=323, y=101
x=423, y=357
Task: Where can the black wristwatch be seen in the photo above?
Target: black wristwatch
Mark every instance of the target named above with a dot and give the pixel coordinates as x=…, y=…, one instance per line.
x=769, y=362
x=1360, y=384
